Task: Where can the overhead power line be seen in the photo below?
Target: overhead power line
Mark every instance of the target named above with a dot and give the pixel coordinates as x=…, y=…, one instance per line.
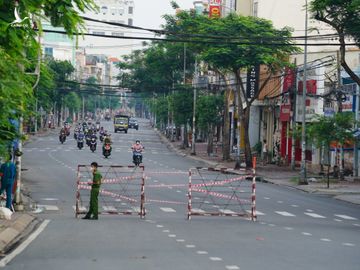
x=259, y=42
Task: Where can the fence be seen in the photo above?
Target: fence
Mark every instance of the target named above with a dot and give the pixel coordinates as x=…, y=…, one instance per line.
x=221, y=193
x=122, y=190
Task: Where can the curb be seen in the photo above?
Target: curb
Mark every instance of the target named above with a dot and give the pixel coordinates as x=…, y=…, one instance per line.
x=13, y=233
x=339, y=195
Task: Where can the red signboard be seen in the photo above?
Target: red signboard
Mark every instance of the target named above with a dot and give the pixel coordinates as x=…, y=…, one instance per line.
x=289, y=79
x=214, y=11
x=285, y=113
x=215, y=2
x=310, y=87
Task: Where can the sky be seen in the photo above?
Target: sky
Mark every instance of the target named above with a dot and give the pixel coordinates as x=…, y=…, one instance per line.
x=148, y=13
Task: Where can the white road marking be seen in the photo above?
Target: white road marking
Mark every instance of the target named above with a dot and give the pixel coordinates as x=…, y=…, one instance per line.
x=314, y=215
x=215, y=259
x=109, y=208
x=160, y=226
x=201, y=252
x=279, y=201
x=172, y=235
x=257, y=213
x=294, y=205
x=168, y=209
x=49, y=199
x=266, y=198
x=24, y=244
x=288, y=228
x=166, y=231
x=49, y=207
x=227, y=211
x=197, y=210
x=180, y=240
x=348, y=244
x=346, y=217
x=357, y=225
x=232, y=267
x=272, y=225
x=285, y=214
x=338, y=220
x=190, y=246
x=309, y=210
x=325, y=239
x=178, y=191
x=306, y=233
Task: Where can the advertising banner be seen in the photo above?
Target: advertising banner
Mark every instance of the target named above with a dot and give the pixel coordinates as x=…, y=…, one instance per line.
x=252, y=82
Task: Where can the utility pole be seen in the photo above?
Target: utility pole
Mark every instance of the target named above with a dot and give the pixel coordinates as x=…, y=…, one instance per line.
x=293, y=139
x=356, y=152
x=193, y=152
x=340, y=110
x=303, y=179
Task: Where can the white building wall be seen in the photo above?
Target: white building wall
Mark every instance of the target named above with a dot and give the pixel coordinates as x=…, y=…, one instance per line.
x=118, y=11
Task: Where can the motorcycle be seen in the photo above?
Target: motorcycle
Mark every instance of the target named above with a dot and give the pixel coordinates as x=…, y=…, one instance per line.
x=88, y=140
x=137, y=158
x=101, y=136
x=80, y=143
x=107, y=150
x=93, y=144
x=62, y=138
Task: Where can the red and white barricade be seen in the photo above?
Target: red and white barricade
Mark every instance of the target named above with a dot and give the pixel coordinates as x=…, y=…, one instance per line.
x=122, y=190
x=221, y=192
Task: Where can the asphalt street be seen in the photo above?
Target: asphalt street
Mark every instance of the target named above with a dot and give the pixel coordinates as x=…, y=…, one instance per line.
x=294, y=230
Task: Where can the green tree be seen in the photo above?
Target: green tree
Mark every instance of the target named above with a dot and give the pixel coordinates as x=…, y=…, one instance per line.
x=344, y=17
x=250, y=41
x=326, y=130
x=18, y=46
x=209, y=109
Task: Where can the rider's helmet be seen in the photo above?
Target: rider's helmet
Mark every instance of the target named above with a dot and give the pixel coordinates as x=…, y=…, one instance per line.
x=137, y=141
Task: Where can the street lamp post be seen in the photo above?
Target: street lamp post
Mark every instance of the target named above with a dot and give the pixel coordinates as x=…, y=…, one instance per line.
x=303, y=138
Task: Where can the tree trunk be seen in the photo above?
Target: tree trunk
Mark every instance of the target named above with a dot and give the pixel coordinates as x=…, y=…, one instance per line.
x=210, y=145
x=245, y=125
x=226, y=131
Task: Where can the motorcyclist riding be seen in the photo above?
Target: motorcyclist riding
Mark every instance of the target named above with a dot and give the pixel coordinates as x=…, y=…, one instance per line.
x=107, y=145
x=137, y=150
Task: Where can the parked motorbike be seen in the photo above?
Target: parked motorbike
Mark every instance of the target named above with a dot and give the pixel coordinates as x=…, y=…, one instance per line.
x=107, y=150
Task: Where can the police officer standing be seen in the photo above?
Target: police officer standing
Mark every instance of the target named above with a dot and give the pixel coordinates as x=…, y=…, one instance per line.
x=7, y=175
x=95, y=188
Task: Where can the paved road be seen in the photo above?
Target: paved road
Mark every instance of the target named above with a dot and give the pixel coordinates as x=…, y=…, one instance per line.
x=294, y=230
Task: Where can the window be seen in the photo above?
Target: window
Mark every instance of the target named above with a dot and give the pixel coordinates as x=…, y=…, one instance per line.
x=98, y=33
x=49, y=51
x=117, y=34
x=256, y=9
x=104, y=10
x=131, y=10
x=130, y=22
x=113, y=11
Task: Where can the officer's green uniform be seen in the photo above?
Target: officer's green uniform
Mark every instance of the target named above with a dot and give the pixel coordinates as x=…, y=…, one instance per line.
x=94, y=196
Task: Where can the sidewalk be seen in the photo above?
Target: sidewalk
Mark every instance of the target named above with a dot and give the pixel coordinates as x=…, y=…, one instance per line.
x=22, y=223
x=347, y=190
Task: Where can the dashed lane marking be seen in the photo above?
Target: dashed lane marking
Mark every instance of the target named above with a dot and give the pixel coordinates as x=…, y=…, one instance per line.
x=325, y=239
x=306, y=234
x=168, y=209
x=201, y=252
x=314, y=215
x=348, y=244
x=190, y=246
x=48, y=207
x=215, y=259
x=285, y=214
x=346, y=217
x=232, y=267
